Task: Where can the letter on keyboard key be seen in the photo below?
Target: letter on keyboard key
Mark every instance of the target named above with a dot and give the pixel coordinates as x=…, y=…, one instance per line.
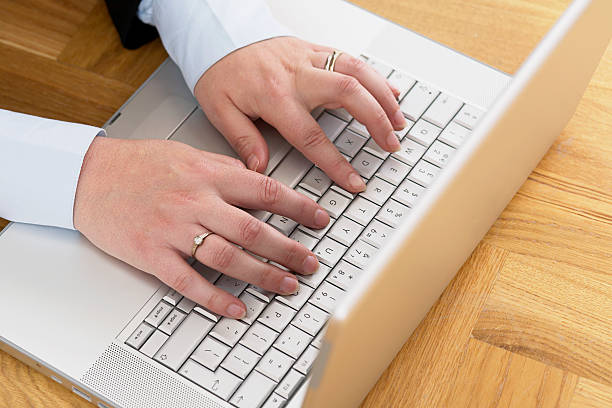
x=439, y=154
x=454, y=134
x=275, y=364
x=310, y=319
x=283, y=224
x=327, y=297
x=393, y=171
x=316, y=181
x=424, y=132
x=276, y=316
x=240, y=361
x=331, y=125
x=158, y=314
x=259, y=338
x=442, y=110
x=293, y=341
x=361, y=210
x=408, y=193
x=345, y=231
x=424, y=173
x=377, y=233
x=417, y=100
x=183, y=342
x=344, y=275
x=139, y=336
x=350, y=143
x=172, y=321
x=290, y=384
x=329, y=251
x=361, y=253
x=253, y=391
x=210, y=353
x=378, y=191
x=393, y=213
x=366, y=164
x=410, y=152
x=229, y=331
x=334, y=203
x=469, y=116
x=221, y=382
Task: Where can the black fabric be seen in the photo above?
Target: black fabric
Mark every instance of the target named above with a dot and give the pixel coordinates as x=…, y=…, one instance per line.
x=132, y=31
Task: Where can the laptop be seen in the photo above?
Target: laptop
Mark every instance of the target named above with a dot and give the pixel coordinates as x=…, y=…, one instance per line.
x=119, y=338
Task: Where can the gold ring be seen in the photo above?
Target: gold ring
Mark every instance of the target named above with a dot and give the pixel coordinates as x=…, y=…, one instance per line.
x=330, y=63
x=197, y=241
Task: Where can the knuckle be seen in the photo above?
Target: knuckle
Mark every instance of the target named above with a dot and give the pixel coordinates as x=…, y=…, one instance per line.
x=270, y=191
x=241, y=143
x=347, y=86
x=313, y=137
x=356, y=65
x=222, y=256
x=250, y=229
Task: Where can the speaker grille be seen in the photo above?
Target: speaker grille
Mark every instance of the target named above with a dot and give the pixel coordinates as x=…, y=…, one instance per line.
x=131, y=382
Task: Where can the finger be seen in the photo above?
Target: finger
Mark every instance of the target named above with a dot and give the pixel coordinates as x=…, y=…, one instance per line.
x=219, y=254
x=297, y=126
x=248, y=189
x=175, y=272
x=242, y=134
x=349, y=93
x=258, y=237
x=230, y=161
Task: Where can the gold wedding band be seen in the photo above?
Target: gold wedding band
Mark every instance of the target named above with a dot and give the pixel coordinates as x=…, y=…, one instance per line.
x=197, y=241
x=330, y=63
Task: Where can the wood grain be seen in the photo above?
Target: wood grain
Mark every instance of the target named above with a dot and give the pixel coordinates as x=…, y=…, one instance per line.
x=526, y=322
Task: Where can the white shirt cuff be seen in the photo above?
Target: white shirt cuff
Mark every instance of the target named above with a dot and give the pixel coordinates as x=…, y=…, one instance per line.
x=198, y=33
x=40, y=167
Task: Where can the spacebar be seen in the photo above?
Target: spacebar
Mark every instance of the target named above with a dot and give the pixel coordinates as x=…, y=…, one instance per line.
x=292, y=169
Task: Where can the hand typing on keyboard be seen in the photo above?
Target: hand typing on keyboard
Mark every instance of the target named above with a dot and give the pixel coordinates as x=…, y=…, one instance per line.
x=145, y=201
x=281, y=80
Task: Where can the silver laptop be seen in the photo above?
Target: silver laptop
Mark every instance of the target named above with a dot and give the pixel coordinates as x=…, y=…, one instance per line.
x=119, y=338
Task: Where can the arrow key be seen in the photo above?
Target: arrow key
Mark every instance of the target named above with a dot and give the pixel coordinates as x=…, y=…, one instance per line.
x=253, y=391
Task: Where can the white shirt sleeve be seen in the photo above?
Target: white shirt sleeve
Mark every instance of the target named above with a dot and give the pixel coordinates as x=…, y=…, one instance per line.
x=198, y=33
x=40, y=166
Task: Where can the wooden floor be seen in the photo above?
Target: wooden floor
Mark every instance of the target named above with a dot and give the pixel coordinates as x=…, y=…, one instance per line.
x=527, y=322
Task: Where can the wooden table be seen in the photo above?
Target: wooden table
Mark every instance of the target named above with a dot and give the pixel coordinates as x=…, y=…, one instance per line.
x=527, y=321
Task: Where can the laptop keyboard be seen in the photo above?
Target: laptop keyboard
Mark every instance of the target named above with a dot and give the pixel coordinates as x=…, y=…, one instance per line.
x=262, y=359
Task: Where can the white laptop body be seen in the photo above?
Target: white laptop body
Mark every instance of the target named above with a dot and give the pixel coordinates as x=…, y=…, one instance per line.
x=67, y=309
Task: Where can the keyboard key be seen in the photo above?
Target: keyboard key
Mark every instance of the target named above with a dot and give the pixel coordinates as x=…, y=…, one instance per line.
x=373, y=148
x=290, y=384
x=283, y=224
x=158, y=314
x=304, y=239
x=316, y=278
x=341, y=113
x=350, y=143
x=344, y=275
x=424, y=173
x=410, y=152
x=296, y=300
x=306, y=360
x=361, y=210
x=261, y=215
x=417, y=100
x=377, y=233
x=275, y=364
x=359, y=128
x=469, y=116
x=259, y=338
x=173, y=297
x=366, y=164
x=408, y=193
x=210, y=353
x=361, y=253
x=424, y=132
x=327, y=296
x=186, y=305
x=253, y=307
x=318, y=340
x=183, y=342
x=345, y=231
x=378, y=191
x=172, y=321
x=253, y=391
x=310, y=319
x=276, y=316
x=261, y=294
x=293, y=341
x=402, y=81
x=393, y=213
x=439, y=154
x=380, y=67
x=292, y=168
x=454, y=135
x=329, y=251
x=444, y=108
x=215, y=317
x=342, y=191
x=275, y=401
x=307, y=193
x=317, y=233
x=140, y=335
x=154, y=343
x=229, y=331
x=334, y=203
x=331, y=125
x=231, y=285
x=393, y=171
x=221, y=382
x=316, y=181
x=240, y=361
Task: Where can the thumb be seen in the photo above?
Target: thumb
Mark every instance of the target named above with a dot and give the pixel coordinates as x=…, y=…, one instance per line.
x=243, y=135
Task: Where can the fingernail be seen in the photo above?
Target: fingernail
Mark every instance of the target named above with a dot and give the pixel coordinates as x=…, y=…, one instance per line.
x=399, y=119
x=357, y=182
x=393, y=143
x=288, y=285
x=253, y=162
x=321, y=218
x=236, y=311
x=310, y=264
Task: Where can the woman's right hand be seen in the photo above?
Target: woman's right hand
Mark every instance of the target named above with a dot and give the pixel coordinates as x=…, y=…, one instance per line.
x=144, y=202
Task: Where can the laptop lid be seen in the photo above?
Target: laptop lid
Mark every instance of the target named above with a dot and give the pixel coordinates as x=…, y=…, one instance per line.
x=377, y=317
